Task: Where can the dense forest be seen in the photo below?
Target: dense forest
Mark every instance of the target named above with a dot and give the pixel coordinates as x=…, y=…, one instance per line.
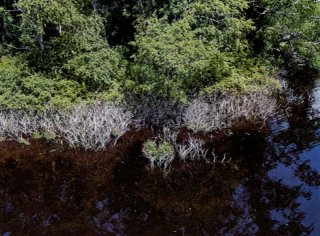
x=55, y=53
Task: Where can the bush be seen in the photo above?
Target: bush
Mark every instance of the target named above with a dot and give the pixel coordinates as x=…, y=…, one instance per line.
x=219, y=112
x=192, y=150
x=15, y=124
x=90, y=126
x=100, y=70
x=253, y=78
x=22, y=89
x=160, y=155
x=204, y=45
x=170, y=60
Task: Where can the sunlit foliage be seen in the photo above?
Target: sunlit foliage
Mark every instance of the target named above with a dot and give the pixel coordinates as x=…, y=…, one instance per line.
x=58, y=52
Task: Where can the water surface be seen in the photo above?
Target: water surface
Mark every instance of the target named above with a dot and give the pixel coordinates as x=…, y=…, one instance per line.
x=271, y=186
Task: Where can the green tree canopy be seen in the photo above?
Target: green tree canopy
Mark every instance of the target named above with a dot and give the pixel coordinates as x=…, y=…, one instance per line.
x=60, y=51
x=291, y=30
x=204, y=45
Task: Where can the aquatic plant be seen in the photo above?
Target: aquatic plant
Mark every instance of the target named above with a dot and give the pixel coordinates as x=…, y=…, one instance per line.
x=160, y=156
x=91, y=126
x=219, y=112
x=196, y=149
x=15, y=124
x=169, y=136
x=49, y=135
x=88, y=126
x=193, y=149
x=224, y=160
x=206, y=113
x=23, y=141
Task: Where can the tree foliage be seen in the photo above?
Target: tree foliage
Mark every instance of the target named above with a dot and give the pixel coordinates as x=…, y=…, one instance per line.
x=23, y=89
x=291, y=31
x=63, y=51
x=54, y=53
x=202, y=49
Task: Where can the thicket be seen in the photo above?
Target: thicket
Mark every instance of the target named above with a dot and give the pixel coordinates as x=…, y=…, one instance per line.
x=60, y=52
x=91, y=127
x=94, y=126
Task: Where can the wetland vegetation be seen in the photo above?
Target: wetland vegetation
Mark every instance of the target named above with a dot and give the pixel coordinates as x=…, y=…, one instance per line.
x=149, y=117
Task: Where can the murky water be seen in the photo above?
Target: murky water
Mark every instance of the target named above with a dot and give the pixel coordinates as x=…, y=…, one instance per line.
x=271, y=186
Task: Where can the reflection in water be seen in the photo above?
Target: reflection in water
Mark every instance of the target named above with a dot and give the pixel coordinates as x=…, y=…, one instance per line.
x=271, y=187
x=298, y=164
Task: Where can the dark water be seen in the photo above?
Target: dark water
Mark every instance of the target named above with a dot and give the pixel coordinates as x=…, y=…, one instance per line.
x=271, y=186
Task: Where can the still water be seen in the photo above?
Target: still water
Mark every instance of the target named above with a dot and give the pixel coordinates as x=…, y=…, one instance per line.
x=270, y=187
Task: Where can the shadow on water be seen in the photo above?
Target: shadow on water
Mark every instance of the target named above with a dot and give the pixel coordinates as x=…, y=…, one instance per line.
x=271, y=186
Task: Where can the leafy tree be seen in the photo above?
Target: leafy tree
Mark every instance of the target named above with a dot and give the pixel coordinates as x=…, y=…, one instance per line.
x=98, y=70
x=205, y=44
x=171, y=60
x=8, y=32
x=57, y=30
x=59, y=51
x=291, y=30
x=22, y=89
x=61, y=40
